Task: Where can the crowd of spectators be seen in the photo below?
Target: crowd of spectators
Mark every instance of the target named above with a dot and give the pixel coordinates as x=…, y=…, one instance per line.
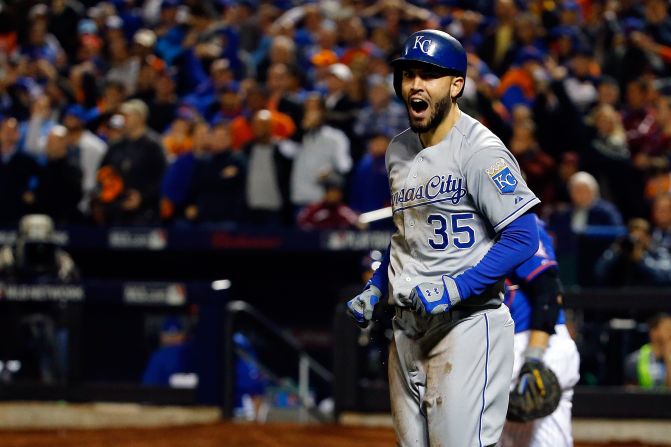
x=264, y=112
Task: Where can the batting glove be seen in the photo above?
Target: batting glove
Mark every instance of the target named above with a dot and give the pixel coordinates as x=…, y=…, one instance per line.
x=360, y=308
x=433, y=299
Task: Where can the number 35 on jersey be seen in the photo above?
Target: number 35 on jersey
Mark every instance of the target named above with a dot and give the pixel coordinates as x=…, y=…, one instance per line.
x=452, y=229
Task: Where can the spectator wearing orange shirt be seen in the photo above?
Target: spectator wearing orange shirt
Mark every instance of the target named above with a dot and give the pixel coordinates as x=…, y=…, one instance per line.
x=282, y=126
x=518, y=84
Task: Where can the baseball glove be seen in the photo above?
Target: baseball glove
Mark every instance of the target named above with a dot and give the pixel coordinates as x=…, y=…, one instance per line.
x=536, y=394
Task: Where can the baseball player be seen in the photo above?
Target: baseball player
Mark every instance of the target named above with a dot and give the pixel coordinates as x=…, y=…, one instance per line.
x=460, y=208
x=533, y=293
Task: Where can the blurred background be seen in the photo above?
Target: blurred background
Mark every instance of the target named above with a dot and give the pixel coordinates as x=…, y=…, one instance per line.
x=184, y=189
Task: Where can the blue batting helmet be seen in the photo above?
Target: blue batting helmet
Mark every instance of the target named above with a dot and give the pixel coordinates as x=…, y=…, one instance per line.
x=431, y=47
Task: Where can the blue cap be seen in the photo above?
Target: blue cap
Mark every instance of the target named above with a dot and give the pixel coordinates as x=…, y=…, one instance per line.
x=633, y=24
x=186, y=113
x=24, y=83
x=529, y=54
x=77, y=111
x=583, y=49
x=172, y=324
x=569, y=5
x=165, y=4
x=87, y=26
x=563, y=31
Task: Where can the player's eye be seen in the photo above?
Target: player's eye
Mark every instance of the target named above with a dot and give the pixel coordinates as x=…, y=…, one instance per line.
x=430, y=74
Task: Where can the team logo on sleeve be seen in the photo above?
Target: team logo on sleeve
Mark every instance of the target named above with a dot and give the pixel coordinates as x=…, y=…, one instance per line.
x=502, y=177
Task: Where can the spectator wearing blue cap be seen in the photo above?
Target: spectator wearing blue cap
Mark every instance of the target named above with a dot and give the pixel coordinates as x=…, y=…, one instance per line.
x=204, y=96
x=570, y=13
x=172, y=357
x=169, y=31
x=562, y=42
x=518, y=84
x=207, y=41
x=227, y=106
x=86, y=148
x=90, y=43
x=130, y=16
x=582, y=79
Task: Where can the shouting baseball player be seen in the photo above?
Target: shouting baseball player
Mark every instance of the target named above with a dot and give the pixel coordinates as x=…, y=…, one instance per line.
x=460, y=208
x=547, y=362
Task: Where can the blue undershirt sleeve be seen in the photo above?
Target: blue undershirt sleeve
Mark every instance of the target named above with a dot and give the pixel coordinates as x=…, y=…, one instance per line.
x=518, y=242
x=380, y=278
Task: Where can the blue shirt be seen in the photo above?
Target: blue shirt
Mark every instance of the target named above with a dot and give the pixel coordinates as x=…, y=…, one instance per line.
x=517, y=301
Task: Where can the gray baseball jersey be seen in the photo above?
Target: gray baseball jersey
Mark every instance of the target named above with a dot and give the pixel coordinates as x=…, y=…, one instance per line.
x=449, y=202
x=449, y=379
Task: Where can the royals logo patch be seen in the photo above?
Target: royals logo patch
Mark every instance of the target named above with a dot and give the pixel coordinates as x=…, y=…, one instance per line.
x=502, y=177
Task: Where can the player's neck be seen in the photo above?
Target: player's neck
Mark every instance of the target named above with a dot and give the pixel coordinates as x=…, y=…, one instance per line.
x=436, y=135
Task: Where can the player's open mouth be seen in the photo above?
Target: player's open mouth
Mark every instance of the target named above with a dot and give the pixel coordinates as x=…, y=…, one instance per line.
x=418, y=106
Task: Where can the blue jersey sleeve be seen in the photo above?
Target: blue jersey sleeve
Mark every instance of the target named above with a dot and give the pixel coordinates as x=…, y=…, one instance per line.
x=380, y=278
x=516, y=244
x=515, y=298
x=543, y=259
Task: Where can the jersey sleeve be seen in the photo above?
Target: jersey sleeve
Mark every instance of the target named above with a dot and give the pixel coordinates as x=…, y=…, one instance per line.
x=543, y=259
x=496, y=185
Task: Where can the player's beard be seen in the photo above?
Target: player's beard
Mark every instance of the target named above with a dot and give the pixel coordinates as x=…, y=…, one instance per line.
x=440, y=111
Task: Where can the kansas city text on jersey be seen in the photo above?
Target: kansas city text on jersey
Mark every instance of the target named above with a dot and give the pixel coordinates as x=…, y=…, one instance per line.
x=437, y=189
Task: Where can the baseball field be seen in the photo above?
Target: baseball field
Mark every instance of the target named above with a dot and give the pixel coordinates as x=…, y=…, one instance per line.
x=225, y=434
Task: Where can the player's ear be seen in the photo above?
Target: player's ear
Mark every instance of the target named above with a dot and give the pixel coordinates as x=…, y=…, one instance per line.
x=457, y=86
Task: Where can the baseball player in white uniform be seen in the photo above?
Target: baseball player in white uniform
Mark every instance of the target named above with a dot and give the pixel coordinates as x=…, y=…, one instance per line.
x=541, y=337
x=461, y=212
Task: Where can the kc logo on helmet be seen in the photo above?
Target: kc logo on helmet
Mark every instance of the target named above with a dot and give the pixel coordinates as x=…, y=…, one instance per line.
x=423, y=43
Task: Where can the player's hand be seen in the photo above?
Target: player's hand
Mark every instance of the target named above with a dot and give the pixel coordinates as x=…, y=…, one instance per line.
x=360, y=308
x=432, y=299
x=536, y=394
